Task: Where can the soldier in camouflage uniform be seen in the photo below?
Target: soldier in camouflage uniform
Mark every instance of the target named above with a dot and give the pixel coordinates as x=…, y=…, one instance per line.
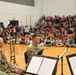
x=5, y=67
x=34, y=48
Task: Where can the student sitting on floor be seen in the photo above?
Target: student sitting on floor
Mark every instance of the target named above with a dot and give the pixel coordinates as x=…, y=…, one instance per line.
x=71, y=42
x=59, y=42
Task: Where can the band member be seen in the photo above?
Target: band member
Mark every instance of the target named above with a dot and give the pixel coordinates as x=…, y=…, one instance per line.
x=5, y=67
x=34, y=48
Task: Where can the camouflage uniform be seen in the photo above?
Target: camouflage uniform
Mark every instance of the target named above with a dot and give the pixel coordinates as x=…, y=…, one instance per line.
x=33, y=50
x=5, y=67
x=3, y=73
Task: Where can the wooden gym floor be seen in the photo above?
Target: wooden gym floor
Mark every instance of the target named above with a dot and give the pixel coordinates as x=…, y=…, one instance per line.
x=48, y=51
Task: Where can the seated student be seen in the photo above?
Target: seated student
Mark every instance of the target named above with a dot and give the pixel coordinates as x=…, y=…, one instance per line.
x=5, y=67
x=22, y=40
x=71, y=42
x=52, y=41
x=65, y=41
x=48, y=42
x=18, y=39
x=27, y=40
x=59, y=42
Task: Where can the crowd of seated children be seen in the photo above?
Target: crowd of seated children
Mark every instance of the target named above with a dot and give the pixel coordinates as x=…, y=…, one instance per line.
x=54, y=31
x=59, y=29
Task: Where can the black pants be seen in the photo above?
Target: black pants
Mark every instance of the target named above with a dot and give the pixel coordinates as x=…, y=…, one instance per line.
x=26, y=57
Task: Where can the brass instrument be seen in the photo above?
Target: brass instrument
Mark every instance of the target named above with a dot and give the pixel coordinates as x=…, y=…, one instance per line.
x=12, y=52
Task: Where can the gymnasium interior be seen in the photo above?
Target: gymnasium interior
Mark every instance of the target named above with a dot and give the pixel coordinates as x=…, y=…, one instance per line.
x=53, y=20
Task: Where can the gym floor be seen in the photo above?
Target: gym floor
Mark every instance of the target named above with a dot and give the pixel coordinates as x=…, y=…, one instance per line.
x=48, y=51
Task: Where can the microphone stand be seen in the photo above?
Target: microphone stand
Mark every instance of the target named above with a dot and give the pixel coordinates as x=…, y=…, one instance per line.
x=61, y=57
x=62, y=65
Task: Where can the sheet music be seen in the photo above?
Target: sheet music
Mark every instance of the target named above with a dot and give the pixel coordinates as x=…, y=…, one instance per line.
x=47, y=66
x=34, y=64
x=41, y=65
x=72, y=61
x=63, y=53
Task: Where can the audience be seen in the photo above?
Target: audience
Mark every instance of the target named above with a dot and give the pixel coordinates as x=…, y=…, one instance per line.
x=54, y=31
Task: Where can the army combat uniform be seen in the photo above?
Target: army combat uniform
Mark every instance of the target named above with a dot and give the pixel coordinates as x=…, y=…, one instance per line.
x=3, y=73
x=33, y=50
x=5, y=67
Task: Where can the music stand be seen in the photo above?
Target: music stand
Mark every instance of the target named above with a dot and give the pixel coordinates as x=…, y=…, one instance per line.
x=42, y=65
x=61, y=57
x=72, y=63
